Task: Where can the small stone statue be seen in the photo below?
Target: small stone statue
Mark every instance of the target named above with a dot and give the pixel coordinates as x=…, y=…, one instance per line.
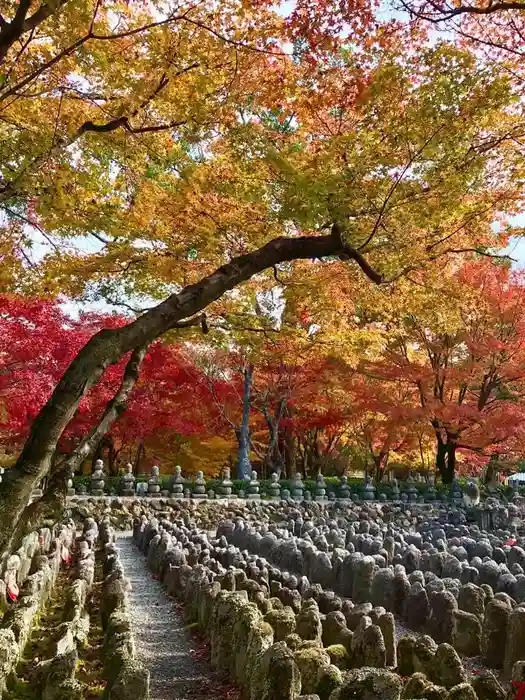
x=97, y=479
x=456, y=493
x=177, y=484
x=394, y=490
x=225, y=487
x=10, y=577
x=320, y=488
x=431, y=493
x=82, y=490
x=154, y=483
x=142, y=488
x=253, y=488
x=344, y=489
x=199, y=488
x=413, y=493
x=471, y=495
x=274, y=488
x=297, y=487
x=127, y=482
x=70, y=490
x=1, y=474
x=369, y=492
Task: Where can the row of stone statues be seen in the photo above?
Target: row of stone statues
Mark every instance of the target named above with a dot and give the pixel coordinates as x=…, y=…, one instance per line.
x=179, y=488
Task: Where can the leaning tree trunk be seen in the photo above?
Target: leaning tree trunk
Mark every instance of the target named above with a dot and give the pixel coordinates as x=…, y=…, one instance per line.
x=109, y=345
x=54, y=496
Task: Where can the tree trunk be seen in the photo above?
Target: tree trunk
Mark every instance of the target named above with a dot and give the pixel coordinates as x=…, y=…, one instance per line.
x=491, y=471
x=61, y=471
x=446, y=459
x=244, y=467
x=110, y=345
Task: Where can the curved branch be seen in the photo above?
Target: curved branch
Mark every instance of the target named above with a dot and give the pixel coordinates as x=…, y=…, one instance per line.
x=444, y=14
x=114, y=408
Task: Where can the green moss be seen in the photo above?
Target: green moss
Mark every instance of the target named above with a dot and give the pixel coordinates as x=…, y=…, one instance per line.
x=329, y=679
x=339, y=656
x=311, y=662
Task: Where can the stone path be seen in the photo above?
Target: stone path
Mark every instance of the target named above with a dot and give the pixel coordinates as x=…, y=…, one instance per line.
x=162, y=643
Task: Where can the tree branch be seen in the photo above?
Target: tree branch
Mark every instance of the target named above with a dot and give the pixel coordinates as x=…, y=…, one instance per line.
x=114, y=408
x=109, y=345
x=21, y=24
x=444, y=14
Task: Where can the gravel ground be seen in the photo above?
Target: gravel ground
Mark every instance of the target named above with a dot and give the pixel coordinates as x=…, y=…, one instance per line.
x=163, y=645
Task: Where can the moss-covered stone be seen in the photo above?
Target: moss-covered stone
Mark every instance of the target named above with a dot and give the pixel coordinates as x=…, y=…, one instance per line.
x=293, y=641
x=415, y=687
x=9, y=654
x=329, y=680
x=132, y=683
x=369, y=684
x=423, y=653
x=282, y=621
x=276, y=675
x=310, y=662
x=249, y=617
x=463, y=691
x=339, y=656
x=466, y=633
x=515, y=647
x=335, y=630
x=494, y=635
x=405, y=655
x=259, y=640
x=447, y=669
x=308, y=624
x=225, y=614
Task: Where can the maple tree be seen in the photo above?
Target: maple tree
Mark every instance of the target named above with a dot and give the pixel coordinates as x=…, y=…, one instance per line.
x=215, y=156
x=38, y=341
x=465, y=371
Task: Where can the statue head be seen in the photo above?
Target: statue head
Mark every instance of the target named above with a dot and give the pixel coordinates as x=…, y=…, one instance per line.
x=254, y=475
x=155, y=471
x=275, y=477
x=129, y=468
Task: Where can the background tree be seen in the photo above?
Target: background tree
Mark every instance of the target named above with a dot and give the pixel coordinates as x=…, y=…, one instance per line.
x=466, y=370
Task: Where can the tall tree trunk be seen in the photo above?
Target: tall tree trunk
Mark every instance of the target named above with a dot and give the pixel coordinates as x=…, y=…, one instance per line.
x=446, y=458
x=110, y=345
x=274, y=458
x=244, y=467
x=138, y=456
x=492, y=468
